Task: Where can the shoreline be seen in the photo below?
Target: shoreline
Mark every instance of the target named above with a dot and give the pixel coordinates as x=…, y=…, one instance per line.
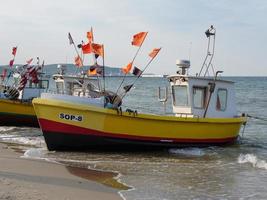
x=22, y=178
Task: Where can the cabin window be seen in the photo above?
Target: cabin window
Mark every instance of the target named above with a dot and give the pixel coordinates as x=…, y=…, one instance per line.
x=43, y=84
x=221, y=101
x=69, y=88
x=180, y=95
x=60, y=87
x=199, y=97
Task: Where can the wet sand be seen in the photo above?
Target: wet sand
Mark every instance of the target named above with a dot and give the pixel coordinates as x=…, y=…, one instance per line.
x=22, y=178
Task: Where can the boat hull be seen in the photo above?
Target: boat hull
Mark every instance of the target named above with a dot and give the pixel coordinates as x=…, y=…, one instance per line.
x=68, y=126
x=17, y=113
x=61, y=140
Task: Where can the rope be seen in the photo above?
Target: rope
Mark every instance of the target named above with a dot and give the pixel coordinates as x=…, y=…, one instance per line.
x=258, y=118
x=243, y=131
x=244, y=125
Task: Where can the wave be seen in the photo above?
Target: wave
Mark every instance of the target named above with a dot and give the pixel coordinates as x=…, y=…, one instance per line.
x=4, y=129
x=252, y=159
x=34, y=153
x=38, y=154
x=188, y=151
x=19, y=139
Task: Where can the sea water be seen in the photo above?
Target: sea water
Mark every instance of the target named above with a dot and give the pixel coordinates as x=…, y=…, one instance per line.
x=237, y=171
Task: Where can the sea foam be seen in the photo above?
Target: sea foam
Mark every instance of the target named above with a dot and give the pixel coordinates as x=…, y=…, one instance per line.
x=34, y=141
x=34, y=153
x=4, y=129
x=188, y=151
x=252, y=159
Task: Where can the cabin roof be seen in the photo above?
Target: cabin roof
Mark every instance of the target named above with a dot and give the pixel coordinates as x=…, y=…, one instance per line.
x=73, y=77
x=177, y=76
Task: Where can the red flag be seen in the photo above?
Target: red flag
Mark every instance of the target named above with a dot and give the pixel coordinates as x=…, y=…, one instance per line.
x=127, y=68
x=11, y=63
x=35, y=79
x=90, y=35
x=139, y=38
x=154, y=52
x=21, y=87
x=29, y=61
x=78, y=61
x=32, y=70
x=23, y=79
x=14, y=51
x=4, y=73
x=87, y=48
x=98, y=49
x=33, y=73
x=23, y=82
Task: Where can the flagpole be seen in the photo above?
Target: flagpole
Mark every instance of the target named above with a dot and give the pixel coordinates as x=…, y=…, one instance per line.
x=132, y=62
x=140, y=75
x=14, y=56
x=81, y=57
x=104, y=85
x=95, y=60
x=75, y=48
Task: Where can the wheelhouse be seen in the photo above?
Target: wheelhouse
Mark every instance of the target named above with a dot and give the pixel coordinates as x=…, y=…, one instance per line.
x=202, y=97
x=74, y=85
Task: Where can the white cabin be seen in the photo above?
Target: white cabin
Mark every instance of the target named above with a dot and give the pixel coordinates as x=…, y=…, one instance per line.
x=201, y=96
x=192, y=97
x=30, y=91
x=76, y=85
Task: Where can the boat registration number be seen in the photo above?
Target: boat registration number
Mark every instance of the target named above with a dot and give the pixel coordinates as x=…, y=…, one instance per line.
x=70, y=117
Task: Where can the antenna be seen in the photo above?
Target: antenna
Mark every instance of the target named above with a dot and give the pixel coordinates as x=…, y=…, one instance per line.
x=210, y=33
x=189, y=51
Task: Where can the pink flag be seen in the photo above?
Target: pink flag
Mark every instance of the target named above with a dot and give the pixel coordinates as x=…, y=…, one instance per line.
x=154, y=52
x=4, y=73
x=29, y=61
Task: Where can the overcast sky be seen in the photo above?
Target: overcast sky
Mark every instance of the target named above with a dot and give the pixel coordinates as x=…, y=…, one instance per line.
x=40, y=28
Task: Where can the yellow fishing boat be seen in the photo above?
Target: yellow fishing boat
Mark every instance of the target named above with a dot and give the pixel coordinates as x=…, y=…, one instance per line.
x=68, y=125
x=16, y=107
x=17, y=113
x=204, y=113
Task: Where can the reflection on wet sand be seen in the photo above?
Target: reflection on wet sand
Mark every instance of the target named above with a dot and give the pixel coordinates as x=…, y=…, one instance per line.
x=105, y=178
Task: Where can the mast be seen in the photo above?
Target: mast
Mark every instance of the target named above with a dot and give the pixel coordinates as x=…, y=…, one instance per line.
x=210, y=33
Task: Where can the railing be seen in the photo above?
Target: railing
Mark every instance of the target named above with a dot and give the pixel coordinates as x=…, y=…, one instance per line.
x=164, y=99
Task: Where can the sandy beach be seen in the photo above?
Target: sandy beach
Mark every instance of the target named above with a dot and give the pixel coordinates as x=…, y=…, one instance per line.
x=22, y=178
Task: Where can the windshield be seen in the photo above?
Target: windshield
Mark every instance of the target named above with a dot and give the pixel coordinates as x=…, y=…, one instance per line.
x=180, y=95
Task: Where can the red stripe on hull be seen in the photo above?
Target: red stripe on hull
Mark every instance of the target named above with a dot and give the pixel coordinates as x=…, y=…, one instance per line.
x=57, y=127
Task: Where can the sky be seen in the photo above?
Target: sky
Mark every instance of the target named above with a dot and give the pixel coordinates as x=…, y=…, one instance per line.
x=40, y=28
